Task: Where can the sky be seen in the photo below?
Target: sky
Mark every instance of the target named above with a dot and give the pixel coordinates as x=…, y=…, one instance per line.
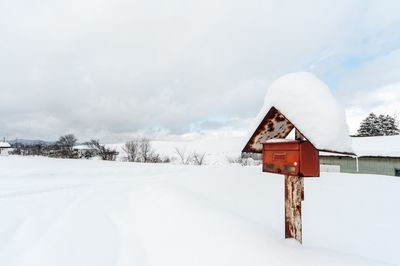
x=115, y=69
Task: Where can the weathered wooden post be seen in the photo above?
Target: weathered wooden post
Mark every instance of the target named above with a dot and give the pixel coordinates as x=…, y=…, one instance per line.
x=294, y=195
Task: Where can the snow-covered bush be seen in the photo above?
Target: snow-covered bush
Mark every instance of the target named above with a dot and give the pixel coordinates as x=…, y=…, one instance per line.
x=246, y=159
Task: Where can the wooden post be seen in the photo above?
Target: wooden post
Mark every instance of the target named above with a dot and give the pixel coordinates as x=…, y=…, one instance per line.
x=294, y=194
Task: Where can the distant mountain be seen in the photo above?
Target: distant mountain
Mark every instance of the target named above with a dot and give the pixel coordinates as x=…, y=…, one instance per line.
x=30, y=141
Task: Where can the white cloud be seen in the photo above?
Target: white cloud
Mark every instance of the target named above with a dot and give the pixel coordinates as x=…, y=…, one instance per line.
x=107, y=69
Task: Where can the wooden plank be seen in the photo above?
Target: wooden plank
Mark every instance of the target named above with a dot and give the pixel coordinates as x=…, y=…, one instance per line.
x=294, y=194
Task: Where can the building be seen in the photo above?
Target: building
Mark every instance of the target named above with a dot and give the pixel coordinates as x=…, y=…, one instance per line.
x=375, y=155
x=84, y=151
x=4, y=148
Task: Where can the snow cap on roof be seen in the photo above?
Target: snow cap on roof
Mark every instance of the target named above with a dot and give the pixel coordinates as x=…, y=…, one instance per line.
x=4, y=144
x=308, y=104
x=379, y=146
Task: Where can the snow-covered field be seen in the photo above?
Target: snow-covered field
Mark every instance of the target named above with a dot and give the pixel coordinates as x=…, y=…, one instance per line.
x=79, y=212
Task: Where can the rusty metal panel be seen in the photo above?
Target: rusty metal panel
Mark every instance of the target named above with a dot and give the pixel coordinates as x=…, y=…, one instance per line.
x=309, y=160
x=274, y=125
x=289, y=145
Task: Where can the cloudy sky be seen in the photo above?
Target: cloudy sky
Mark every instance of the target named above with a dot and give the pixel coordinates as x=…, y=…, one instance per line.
x=111, y=69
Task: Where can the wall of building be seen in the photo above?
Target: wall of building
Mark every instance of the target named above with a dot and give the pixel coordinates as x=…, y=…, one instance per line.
x=4, y=151
x=367, y=165
x=329, y=168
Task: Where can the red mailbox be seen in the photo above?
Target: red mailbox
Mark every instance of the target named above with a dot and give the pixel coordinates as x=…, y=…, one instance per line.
x=294, y=157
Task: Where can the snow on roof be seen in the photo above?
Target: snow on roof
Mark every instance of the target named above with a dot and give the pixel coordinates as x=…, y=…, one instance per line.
x=377, y=146
x=5, y=145
x=82, y=147
x=280, y=140
x=382, y=146
x=308, y=104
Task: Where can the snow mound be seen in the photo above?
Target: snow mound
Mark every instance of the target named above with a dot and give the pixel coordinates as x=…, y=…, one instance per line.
x=308, y=104
x=89, y=212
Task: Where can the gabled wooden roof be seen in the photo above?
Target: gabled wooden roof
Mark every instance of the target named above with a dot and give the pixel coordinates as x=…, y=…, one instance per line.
x=274, y=125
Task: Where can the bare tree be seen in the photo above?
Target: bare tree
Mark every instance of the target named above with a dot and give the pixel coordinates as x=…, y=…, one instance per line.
x=146, y=152
x=184, y=157
x=132, y=150
x=198, y=158
x=66, y=144
x=105, y=153
x=68, y=140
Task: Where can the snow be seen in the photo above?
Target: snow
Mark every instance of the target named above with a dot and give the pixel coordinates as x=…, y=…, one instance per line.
x=388, y=146
x=280, y=140
x=380, y=146
x=82, y=147
x=90, y=212
x=309, y=105
x=4, y=144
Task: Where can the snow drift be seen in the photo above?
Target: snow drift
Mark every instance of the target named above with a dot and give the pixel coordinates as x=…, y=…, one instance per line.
x=79, y=212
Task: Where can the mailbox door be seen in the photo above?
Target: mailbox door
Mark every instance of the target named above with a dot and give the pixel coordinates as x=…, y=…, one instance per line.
x=281, y=158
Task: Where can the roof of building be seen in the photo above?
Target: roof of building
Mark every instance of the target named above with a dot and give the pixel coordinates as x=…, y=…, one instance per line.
x=83, y=147
x=4, y=144
x=302, y=101
x=382, y=146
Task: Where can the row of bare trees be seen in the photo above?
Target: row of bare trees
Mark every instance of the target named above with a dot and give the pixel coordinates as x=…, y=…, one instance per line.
x=140, y=150
x=64, y=147
x=137, y=150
